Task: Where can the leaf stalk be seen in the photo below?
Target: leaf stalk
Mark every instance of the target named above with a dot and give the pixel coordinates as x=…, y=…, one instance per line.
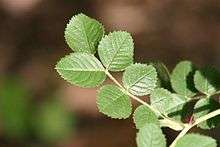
x=197, y=121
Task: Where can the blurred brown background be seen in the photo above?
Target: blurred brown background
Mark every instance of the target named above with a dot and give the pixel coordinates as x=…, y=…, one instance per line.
x=31, y=42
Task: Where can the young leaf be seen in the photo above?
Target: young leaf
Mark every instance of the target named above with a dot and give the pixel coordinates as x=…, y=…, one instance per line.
x=182, y=79
x=163, y=75
x=83, y=34
x=116, y=50
x=143, y=115
x=196, y=140
x=81, y=69
x=150, y=136
x=140, y=79
x=112, y=102
x=207, y=80
x=165, y=101
x=203, y=107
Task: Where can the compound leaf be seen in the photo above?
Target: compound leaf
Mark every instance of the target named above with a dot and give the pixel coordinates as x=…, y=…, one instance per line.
x=140, y=79
x=112, y=102
x=143, y=115
x=165, y=101
x=116, y=50
x=207, y=80
x=203, y=107
x=81, y=69
x=83, y=34
x=182, y=79
x=150, y=136
x=196, y=140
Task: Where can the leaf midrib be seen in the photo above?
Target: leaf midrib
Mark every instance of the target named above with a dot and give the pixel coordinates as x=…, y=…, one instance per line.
x=75, y=70
x=120, y=96
x=139, y=79
x=119, y=48
x=84, y=32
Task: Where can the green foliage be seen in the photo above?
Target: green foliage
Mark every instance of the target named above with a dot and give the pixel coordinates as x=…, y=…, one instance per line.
x=182, y=79
x=83, y=34
x=183, y=112
x=116, y=50
x=81, y=69
x=196, y=140
x=150, y=136
x=165, y=101
x=203, y=107
x=163, y=75
x=140, y=79
x=207, y=80
x=14, y=107
x=113, y=102
x=52, y=122
x=143, y=116
x=172, y=96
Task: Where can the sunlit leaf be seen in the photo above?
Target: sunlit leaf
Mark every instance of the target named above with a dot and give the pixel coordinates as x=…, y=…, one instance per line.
x=81, y=69
x=112, y=102
x=83, y=34
x=143, y=115
x=165, y=101
x=196, y=140
x=116, y=50
x=150, y=136
x=140, y=79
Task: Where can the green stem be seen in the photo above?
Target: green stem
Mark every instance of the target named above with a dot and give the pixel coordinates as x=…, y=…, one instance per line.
x=133, y=96
x=207, y=116
x=217, y=92
x=199, y=120
x=113, y=79
x=173, y=124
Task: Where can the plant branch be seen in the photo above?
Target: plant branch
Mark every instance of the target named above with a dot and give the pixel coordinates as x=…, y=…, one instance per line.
x=217, y=92
x=207, y=116
x=113, y=79
x=172, y=124
x=133, y=96
x=189, y=126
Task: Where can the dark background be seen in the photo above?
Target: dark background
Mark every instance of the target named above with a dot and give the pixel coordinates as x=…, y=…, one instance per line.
x=32, y=41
